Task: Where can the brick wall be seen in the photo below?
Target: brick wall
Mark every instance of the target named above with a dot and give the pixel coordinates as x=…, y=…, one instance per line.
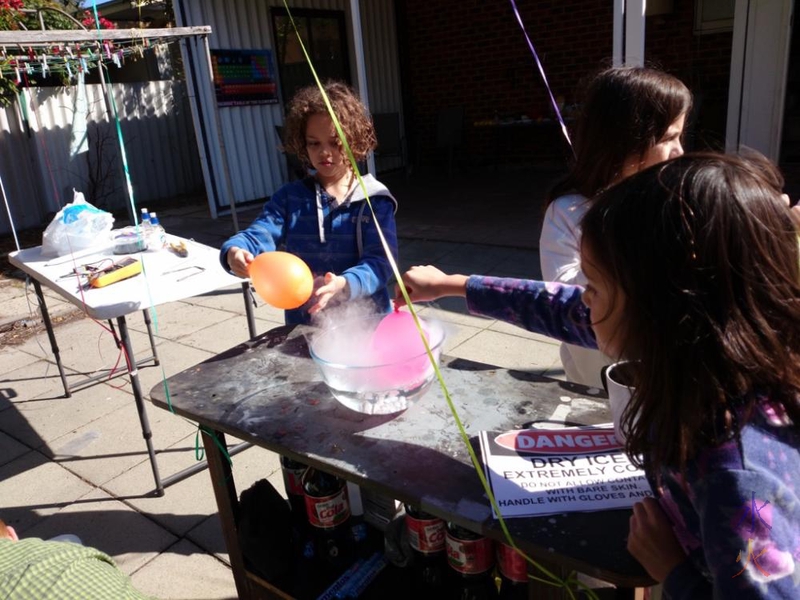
x=472, y=53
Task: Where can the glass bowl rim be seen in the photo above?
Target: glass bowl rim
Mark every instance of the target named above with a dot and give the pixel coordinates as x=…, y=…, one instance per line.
x=437, y=326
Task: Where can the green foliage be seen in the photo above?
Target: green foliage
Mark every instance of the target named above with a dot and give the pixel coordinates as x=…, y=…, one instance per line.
x=21, y=15
x=16, y=15
x=8, y=92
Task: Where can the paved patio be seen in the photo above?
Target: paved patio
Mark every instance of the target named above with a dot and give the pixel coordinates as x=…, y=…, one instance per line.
x=78, y=465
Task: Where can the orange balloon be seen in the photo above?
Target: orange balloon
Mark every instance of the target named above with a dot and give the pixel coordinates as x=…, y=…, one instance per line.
x=281, y=279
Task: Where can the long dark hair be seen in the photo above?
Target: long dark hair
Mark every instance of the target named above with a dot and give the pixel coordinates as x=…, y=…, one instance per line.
x=625, y=111
x=353, y=117
x=706, y=256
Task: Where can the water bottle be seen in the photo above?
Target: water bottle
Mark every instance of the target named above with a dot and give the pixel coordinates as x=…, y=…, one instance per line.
x=144, y=229
x=157, y=237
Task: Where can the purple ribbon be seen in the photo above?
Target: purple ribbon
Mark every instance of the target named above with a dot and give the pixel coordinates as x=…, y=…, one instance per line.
x=544, y=77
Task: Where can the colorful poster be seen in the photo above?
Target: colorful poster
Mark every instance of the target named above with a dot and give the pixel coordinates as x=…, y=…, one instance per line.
x=244, y=77
x=536, y=472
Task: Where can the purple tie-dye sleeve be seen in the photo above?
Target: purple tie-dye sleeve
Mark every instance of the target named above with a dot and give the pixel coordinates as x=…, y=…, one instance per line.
x=552, y=309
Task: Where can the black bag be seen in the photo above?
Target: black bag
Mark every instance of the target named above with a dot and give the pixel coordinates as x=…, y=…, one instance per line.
x=265, y=531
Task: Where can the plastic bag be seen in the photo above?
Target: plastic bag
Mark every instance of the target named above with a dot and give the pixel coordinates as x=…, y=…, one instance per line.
x=77, y=226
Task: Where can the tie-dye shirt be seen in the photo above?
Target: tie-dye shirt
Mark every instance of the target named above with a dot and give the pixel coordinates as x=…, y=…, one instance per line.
x=737, y=511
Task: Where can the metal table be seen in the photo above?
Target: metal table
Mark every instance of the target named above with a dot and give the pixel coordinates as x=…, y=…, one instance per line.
x=269, y=392
x=166, y=277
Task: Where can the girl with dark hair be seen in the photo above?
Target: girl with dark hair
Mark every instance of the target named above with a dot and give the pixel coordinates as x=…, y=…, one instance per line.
x=631, y=118
x=692, y=272
x=323, y=218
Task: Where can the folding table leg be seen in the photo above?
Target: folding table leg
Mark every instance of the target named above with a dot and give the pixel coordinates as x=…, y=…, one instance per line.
x=201, y=465
x=137, y=395
x=52, y=336
x=149, y=326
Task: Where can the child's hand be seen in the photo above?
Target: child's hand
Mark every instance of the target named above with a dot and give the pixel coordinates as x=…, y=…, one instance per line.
x=331, y=286
x=424, y=283
x=651, y=540
x=239, y=260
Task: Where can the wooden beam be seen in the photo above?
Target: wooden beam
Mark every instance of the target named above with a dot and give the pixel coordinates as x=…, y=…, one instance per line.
x=62, y=36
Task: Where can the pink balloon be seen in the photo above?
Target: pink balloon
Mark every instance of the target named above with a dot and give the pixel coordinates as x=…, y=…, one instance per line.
x=396, y=342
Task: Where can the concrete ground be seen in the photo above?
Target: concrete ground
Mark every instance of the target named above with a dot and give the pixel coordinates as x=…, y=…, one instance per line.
x=78, y=465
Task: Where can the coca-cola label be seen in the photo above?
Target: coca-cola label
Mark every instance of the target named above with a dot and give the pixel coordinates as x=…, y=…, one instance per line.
x=426, y=535
x=470, y=557
x=511, y=563
x=326, y=512
x=293, y=481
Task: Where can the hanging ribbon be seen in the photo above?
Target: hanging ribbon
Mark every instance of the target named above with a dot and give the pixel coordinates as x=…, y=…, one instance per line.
x=8, y=212
x=544, y=77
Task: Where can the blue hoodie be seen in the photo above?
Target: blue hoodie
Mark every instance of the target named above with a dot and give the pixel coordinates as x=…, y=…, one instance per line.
x=343, y=240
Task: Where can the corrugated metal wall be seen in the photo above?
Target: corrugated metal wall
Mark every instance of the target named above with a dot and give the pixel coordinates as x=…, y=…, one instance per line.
x=39, y=173
x=22, y=182
x=256, y=167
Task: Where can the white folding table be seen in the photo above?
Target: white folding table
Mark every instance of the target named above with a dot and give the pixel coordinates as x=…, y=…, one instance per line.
x=166, y=277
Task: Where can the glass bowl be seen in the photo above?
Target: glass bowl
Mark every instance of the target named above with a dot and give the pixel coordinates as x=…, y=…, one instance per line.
x=364, y=376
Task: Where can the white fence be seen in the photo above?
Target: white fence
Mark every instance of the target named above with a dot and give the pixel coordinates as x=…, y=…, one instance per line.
x=42, y=158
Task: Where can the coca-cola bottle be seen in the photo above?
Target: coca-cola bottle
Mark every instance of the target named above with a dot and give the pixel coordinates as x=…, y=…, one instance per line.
x=426, y=536
x=293, y=482
x=471, y=558
x=328, y=512
x=513, y=569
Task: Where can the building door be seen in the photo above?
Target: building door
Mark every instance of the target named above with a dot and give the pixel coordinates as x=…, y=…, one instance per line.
x=324, y=36
x=759, y=64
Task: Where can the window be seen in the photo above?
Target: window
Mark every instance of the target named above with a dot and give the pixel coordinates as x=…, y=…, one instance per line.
x=325, y=37
x=713, y=16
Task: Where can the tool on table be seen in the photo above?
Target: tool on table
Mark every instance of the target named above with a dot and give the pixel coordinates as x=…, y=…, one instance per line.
x=88, y=269
x=198, y=268
x=179, y=248
x=123, y=269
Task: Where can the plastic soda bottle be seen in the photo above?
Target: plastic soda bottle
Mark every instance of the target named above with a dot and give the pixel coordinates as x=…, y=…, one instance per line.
x=328, y=511
x=292, y=471
x=471, y=559
x=513, y=571
x=426, y=536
